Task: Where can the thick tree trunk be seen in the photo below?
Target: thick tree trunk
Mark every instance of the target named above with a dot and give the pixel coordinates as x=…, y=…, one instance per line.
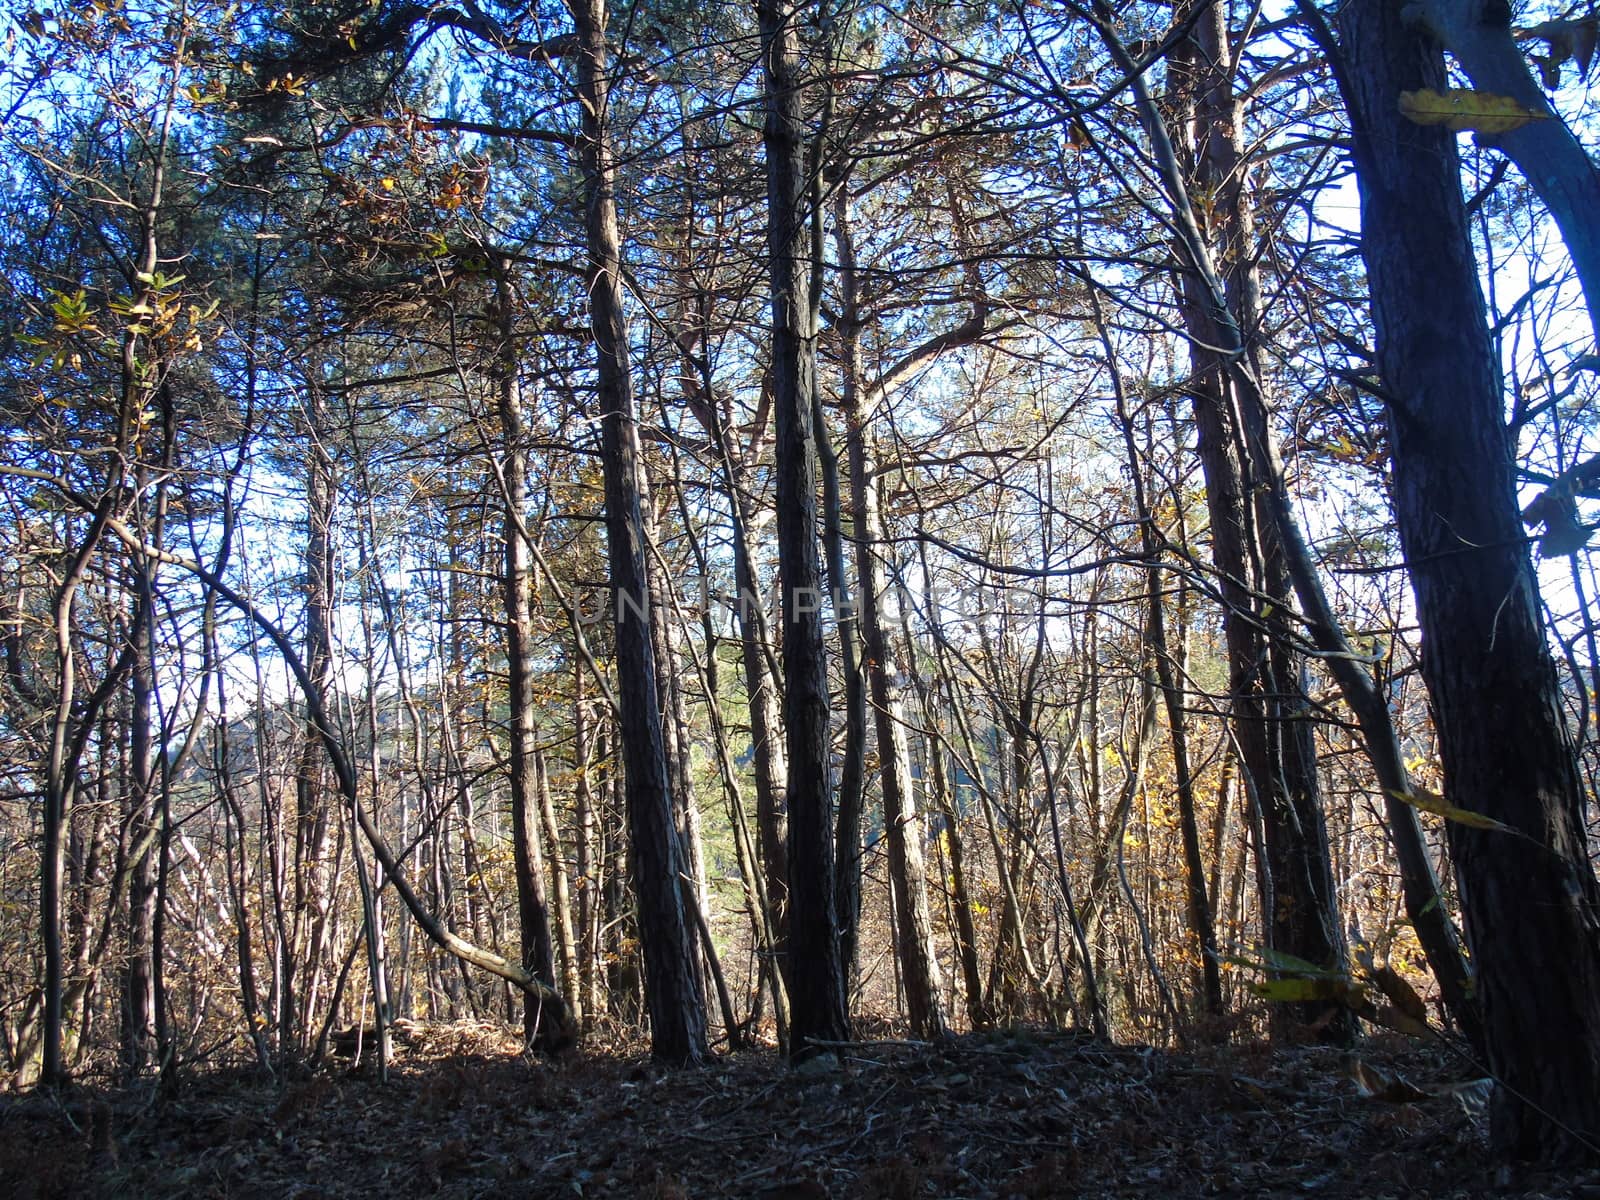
x=852, y=774
x=675, y=1003
x=765, y=700
x=1529, y=896
x=817, y=983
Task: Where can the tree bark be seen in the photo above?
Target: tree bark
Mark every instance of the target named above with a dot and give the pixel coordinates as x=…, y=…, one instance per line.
x=817, y=984
x=919, y=962
x=675, y=1003
x=1529, y=897
x=138, y=984
x=561, y=892
x=852, y=774
x=1269, y=709
x=303, y=957
x=533, y=912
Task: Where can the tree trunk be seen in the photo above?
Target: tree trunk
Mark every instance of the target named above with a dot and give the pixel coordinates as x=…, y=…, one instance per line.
x=1198, y=900
x=561, y=893
x=533, y=911
x=852, y=774
x=138, y=984
x=817, y=983
x=675, y=1003
x=589, y=856
x=919, y=963
x=666, y=639
x=1529, y=896
x=1277, y=748
x=302, y=968
x=949, y=801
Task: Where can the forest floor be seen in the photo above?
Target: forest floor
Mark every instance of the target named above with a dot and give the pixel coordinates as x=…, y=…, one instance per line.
x=1020, y=1115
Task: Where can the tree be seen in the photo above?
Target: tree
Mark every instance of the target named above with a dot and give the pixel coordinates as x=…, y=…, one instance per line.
x=1478, y=35
x=1277, y=513
x=677, y=1013
x=816, y=977
x=366, y=558
x=1271, y=725
x=533, y=913
x=1529, y=895
x=903, y=828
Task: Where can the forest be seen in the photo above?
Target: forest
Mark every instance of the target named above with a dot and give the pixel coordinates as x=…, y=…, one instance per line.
x=856, y=565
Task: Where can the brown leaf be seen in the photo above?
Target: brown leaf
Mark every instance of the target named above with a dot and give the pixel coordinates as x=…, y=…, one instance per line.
x=1380, y=1085
x=1567, y=39
x=1400, y=993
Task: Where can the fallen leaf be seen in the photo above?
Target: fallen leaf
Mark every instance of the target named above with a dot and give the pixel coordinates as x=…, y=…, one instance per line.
x=1380, y=1085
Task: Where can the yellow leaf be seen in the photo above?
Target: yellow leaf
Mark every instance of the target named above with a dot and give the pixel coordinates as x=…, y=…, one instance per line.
x=1294, y=990
x=1436, y=804
x=1463, y=109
